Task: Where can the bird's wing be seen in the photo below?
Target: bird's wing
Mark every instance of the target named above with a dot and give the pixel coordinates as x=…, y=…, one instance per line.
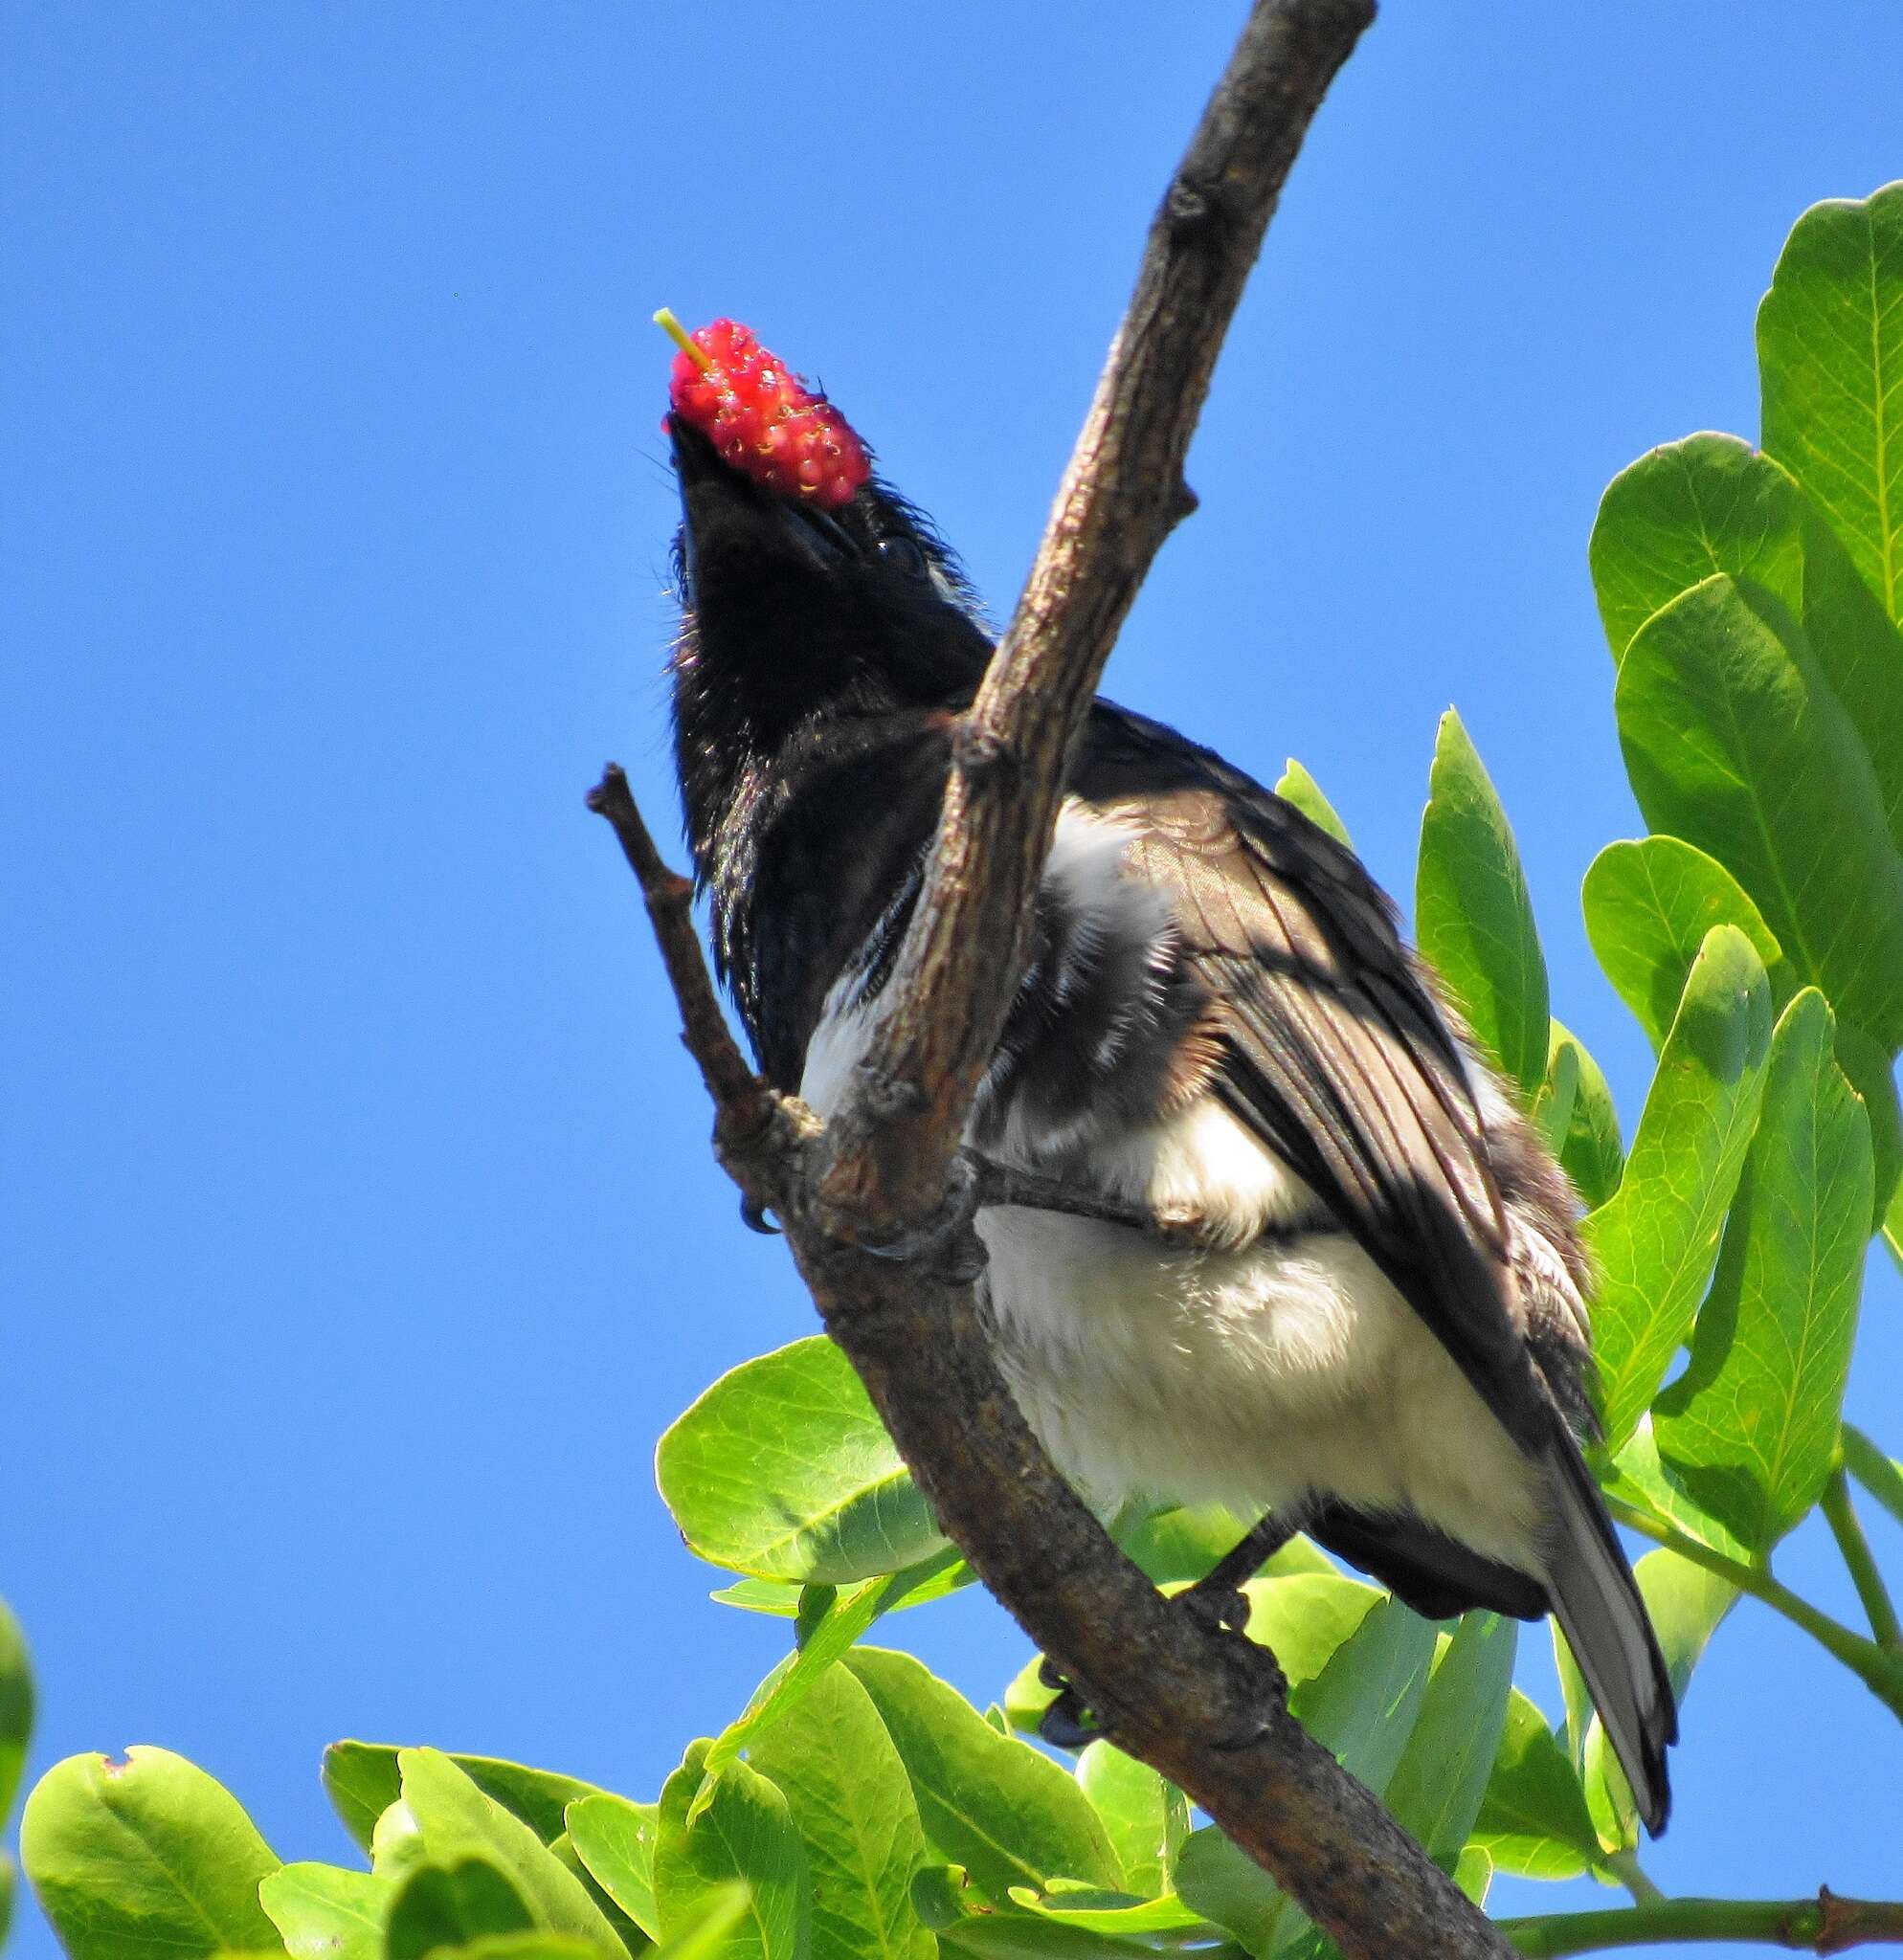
x=1328, y=1041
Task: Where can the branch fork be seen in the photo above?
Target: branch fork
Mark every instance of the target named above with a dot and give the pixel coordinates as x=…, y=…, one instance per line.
x=886, y=1175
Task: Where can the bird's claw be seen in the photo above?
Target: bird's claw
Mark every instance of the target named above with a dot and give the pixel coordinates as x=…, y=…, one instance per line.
x=1067, y=1724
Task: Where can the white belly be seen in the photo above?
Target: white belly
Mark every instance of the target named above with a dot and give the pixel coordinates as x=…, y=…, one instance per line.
x=1251, y=1378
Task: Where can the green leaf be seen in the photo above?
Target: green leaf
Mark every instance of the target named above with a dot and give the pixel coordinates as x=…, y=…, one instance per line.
x=1116, y=1913
x=1591, y=1151
x=1145, y=1815
x=746, y=1833
x=1880, y=1475
x=145, y=1857
x=16, y=1708
x=1473, y=1873
x=1687, y=1605
x=1184, y=1542
x=993, y=1804
x=1472, y=912
x=1649, y=906
x=458, y=1820
x=1655, y=1240
x=325, y=1912
x=1552, y=1104
x=1443, y=1773
x=722, y=1911
x=1306, y=1618
x=614, y=1841
x=1223, y=1883
x=1831, y=352
x=1363, y=1705
x=1299, y=788
x=1735, y=743
x=362, y=1780
x=451, y=1905
x=1639, y=1476
x=841, y=1620
x=1712, y=503
x=1533, y=1821
x=782, y=1470
x=1751, y=1426
x=853, y=1807
x=532, y=1945
x=1684, y=511
x=1301, y=1614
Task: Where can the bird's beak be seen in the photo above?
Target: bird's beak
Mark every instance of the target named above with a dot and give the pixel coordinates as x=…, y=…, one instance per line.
x=727, y=514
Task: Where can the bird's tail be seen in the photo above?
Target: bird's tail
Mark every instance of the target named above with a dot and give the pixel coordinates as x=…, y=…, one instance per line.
x=1599, y=1606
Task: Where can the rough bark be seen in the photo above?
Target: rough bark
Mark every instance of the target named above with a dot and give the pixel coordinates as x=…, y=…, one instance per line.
x=877, y=1205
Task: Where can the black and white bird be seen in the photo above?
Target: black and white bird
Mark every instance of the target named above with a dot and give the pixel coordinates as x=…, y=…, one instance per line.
x=1380, y=1335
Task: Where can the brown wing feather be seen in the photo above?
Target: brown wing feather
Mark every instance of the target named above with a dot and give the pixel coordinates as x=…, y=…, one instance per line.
x=1333, y=1047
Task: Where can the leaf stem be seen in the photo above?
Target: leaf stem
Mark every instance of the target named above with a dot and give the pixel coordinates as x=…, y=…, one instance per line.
x=1879, y=1670
x=1824, y=1925
x=1624, y=1866
x=1849, y=1531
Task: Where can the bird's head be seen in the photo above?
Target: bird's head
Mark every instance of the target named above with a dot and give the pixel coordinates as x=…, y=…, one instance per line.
x=808, y=586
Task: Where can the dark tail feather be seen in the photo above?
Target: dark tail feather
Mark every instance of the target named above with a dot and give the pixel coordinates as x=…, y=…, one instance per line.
x=1598, y=1608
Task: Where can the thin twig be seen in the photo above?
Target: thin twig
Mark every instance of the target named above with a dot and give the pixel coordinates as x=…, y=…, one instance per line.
x=746, y=1110
x=1825, y=1924
x=1879, y=1670
x=1207, y=1710
x=1847, y=1529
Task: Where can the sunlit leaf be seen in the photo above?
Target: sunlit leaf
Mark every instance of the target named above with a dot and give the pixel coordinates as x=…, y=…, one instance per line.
x=840, y=1620
x=323, y=1912
x=1751, y=1426
x=614, y=1841
x=1649, y=905
x=1532, y=1818
x=362, y=1780
x=145, y=1857
x=995, y=1805
x=1735, y=743
x=1684, y=511
x=782, y=1470
x=453, y=1904
x=1184, y=1542
x=16, y=1706
x=1713, y=504
x=1362, y=1705
x=458, y=1820
x=1437, y=1788
x=744, y=1833
x=1299, y=788
x=852, y=1805
x=1656, y=1239
x=1554, y=1102
x=1831, y=353
x=1145, y=1815
x=1591, y=1149
x=1472, y=913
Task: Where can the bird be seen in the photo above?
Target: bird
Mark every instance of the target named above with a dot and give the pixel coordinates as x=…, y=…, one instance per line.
x=1366, y=1317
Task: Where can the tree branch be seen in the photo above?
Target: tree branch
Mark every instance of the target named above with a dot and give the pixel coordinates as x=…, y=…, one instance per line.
x=1847, y=1529
x=1207, y=1710
x=1824, y=1925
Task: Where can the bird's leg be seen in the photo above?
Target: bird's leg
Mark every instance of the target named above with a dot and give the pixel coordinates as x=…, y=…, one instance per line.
x=1215, y=1601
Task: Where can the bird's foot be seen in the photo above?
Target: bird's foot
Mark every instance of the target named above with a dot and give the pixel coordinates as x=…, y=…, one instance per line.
x=1067, y=1724
x=1217, y=1609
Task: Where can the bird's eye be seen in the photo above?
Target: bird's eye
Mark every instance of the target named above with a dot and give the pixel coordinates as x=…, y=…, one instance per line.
x=902, y=554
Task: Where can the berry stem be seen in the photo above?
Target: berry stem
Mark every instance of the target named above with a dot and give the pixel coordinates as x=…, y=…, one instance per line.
x=682, y=339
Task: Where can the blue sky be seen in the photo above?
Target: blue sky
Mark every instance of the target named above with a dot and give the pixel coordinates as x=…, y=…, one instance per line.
x=363, y=1235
